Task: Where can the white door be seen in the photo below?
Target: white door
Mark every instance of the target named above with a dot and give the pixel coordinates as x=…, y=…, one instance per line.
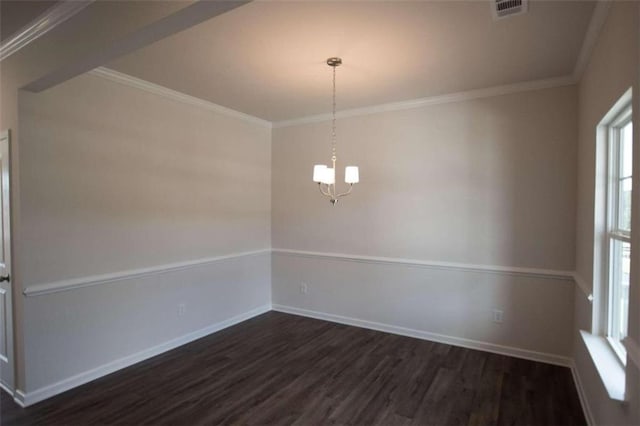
x=6, y=312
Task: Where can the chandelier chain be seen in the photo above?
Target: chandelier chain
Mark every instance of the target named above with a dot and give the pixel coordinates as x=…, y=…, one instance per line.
x=333, y=124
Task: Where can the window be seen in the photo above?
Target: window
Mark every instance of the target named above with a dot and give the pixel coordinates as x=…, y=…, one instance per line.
x=612, y=246
x=618, y=229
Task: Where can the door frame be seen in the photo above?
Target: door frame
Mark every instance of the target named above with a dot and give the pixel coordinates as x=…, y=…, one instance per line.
x=5, y=149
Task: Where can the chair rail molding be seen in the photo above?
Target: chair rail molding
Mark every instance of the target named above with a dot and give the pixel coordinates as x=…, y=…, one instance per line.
x=583, y=286
x=431, y=264
x=72, y=284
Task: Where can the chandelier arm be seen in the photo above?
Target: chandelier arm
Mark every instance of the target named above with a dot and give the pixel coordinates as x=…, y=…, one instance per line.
x=345, y=193
x=327, y=194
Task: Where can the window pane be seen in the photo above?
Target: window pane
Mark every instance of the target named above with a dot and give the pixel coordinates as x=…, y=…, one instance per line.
x=619, y=294
x=626, y=149
x=624, y=208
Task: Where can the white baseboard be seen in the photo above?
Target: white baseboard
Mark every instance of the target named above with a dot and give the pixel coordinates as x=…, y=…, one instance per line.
x=433, y=337
x=26, y=399
x=6, y=388
x=29, y=398
x=19, y=398
x=582, y=395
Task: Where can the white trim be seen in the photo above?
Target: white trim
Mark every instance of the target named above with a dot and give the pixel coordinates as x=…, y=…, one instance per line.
x=64, y=10
x=617, y=109
x=582, y=285
x=633, y=350
x=156, y=89
x=607, y=364
x=75, y=283
x=141, y=84
x=26, y=399
x=6, y=388
x=44, y=23
x=434, y=100
x=72, y=284
x=431, y=264
x=599, y=17
x=582, y=395
x=19, y=398
x=432, y=337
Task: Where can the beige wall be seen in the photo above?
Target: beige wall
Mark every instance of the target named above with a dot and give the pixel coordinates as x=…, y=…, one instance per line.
x=487, y=181
x=441, y=304
x=609, y=74
x=612, y=69
x=41, y=58
x=116, y=179
x=106, y=167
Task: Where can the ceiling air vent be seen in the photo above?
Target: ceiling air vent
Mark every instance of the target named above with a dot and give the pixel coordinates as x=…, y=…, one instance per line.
x=505, y=8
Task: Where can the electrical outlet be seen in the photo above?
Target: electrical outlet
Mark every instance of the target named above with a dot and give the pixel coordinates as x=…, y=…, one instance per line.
x=497, y=316
x=304, y=288
x=182, y=309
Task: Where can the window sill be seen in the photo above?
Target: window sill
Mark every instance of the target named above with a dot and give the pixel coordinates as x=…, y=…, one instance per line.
x=610, y=369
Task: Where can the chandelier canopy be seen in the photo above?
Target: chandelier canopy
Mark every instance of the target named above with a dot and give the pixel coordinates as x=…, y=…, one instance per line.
x=324, y=176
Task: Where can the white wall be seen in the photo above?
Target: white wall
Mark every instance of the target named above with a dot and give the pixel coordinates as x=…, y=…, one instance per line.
x=116, y=179
x=612, y=69
x=487, y=181
x=446, y=305
x=43, y=58
x=74, y=332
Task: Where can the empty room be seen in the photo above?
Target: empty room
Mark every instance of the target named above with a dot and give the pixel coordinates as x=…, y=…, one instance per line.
x=319, y=212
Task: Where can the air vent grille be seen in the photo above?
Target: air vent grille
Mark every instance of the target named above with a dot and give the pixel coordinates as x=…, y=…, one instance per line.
x=504, y=8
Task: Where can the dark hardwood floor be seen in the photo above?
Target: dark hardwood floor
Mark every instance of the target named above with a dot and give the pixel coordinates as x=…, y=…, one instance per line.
x=285, y=369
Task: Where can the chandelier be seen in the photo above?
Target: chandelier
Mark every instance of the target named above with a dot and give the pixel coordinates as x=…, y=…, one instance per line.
x=324, y=176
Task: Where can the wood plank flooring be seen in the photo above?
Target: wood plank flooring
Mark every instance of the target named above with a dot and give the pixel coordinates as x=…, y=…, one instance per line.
x=285, y=369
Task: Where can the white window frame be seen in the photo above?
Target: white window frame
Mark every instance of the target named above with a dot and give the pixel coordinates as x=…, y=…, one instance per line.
x=611, y=367
x=613, y=233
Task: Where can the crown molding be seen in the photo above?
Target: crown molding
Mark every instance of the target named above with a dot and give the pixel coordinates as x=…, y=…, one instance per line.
x=435, y=100
x=165, y=92
x=145, y=85
x=598, y=19
x=64, y=10
x=44, y=23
